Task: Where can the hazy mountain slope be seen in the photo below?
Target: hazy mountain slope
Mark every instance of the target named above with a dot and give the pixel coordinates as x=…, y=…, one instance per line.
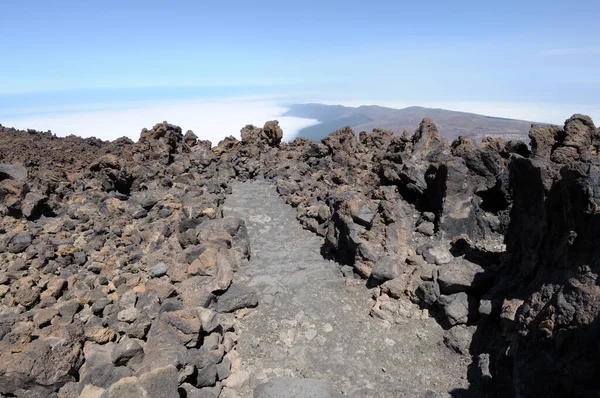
x=321, y=130
x=450, y=123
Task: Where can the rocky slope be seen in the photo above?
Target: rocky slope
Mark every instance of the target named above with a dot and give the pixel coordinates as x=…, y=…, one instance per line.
x=115, y=261
x=451, y=124
x=117, y=264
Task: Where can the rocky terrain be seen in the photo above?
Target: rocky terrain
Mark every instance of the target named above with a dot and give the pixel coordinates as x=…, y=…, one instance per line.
x=313, y=322
x=462, y=268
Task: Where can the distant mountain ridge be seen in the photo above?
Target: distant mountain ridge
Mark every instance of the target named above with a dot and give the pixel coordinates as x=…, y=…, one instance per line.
x=451, y=124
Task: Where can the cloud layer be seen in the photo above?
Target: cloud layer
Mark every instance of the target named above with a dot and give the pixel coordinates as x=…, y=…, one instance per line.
x=212, y=120
x=215, y=119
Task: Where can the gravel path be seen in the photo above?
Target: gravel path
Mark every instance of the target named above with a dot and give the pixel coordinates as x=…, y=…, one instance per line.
x=312, y=322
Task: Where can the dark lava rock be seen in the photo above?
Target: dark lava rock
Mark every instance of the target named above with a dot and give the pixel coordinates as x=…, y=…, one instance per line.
x=386, y=268
x=236, y=297
x=455, y=308
x=20, y=242
x=460, y=276
x=16, y=172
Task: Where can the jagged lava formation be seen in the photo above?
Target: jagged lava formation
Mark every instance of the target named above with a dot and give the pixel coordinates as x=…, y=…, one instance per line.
x=117, y=265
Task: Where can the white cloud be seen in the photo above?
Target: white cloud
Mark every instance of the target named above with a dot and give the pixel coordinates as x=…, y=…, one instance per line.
x=212, y=120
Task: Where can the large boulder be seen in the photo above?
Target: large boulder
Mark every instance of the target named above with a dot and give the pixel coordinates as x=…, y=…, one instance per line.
x=16, y=172
x=42, y=362
x=547, y=294
x=270, y=135
x=461, y=276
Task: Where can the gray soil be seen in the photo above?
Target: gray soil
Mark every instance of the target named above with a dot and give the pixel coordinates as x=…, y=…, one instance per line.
x=312, y=322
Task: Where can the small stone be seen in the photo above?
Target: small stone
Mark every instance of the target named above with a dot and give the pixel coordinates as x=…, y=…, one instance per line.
x=184, y=325
x=128, y=299
x=55, y=288
x=100, y=335
x=212, y=341
x=224, y=369
x=161, y=287
x=68, y=309
x=91, y=391
x=43, y=317
x=207, y=376
x=3, y=290
x=236, y=297
x=127, y=387
x=127, y=350
x=159, y=270
x=18, y=265
x=20, y=242
x=161, y=382
x=485, y=308
x=128, y=315
x=459, y=338
x=194, y=292
x=460, y=276
x=426, y=228
x=347, y=271
x=140, y=327
x=229, y=341
x=237, y=380
x=428, y=292
x=386, y=268
x=27, y=297
x=455, y=307
x=80, y=258
x=365, y=215
x=209, y=319
x=483, y=365
x=437, y=255
x=99, y=305
x=32, y=203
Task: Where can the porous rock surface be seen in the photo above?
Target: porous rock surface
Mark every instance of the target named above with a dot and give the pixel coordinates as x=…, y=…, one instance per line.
x=133, y=269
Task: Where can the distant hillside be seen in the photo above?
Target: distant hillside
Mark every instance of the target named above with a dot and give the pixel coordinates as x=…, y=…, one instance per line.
x=451, y=124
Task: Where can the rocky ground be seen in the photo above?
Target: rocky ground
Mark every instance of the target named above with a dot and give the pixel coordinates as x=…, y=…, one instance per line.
x=312, y=322
x=148, y=269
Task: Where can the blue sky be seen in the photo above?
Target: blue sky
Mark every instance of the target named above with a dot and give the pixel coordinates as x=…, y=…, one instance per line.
x=425, y=52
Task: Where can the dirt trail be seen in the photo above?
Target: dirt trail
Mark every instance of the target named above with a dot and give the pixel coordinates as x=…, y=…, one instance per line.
x=312, y=322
